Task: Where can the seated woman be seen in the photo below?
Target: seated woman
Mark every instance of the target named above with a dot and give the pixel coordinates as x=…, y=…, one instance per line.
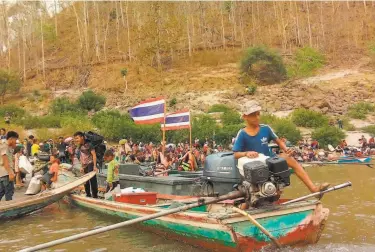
x=188, y=162
x=52, y=173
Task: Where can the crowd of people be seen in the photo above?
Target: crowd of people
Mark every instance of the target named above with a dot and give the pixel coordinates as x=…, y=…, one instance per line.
x=181, y=156
x=76, y=150
x=309, y=150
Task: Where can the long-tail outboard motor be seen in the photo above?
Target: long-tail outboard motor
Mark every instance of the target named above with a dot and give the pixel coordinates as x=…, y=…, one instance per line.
x=263, y=178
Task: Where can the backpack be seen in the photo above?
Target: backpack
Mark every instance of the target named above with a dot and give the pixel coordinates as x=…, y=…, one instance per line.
x=97, y=141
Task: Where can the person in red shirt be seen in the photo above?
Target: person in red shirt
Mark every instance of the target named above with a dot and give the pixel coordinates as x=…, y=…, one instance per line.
x=315, y=145
x=53, y=172
x=371, y=140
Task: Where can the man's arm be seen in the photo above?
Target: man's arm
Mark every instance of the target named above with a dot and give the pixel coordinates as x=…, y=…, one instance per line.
x=110, y=174
x=7, y=167
x=281, y=144
x=249, y=154
x=93, y=153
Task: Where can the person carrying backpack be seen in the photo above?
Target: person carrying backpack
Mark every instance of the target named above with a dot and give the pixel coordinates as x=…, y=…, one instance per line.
x=88, y=160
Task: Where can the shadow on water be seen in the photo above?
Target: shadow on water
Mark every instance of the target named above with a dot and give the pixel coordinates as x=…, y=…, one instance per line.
x=350, y=226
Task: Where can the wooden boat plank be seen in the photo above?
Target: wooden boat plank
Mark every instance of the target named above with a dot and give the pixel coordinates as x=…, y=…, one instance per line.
x=209, y=231
x=16, y=208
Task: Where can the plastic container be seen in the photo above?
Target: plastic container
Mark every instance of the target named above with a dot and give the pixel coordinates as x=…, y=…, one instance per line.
x=242, y=161
x=141, y=198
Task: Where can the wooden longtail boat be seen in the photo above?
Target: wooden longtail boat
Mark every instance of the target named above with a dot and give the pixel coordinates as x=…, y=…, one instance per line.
x=218, y=227
x=29, y=204
x=351, y=161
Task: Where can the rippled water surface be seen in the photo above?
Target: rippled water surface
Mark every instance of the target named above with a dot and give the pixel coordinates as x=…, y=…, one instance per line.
x=350, y=227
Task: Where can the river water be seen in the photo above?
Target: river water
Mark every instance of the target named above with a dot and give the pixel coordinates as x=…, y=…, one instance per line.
x=350, y=227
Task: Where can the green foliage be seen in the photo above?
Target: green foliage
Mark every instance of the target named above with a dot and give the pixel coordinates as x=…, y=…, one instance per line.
x=113, y=125
x=264, y=65
x=124, y=72
x=347, y=125
x=49, y=32
x=89, y=100
x=35, y=122
x=225, y=134
x=62, y=106
x=369, y=129
x=305, y=62
x=9, y=83
x=204, y=126
x=360, y=110
x=75, y=124
x=173, y=102
x=267, y=118
x=231, y=117
x=286, y=128
x=36, y=92
x=328, y=135
x=14, y=111
x=251, y=89
x=308, y=118
x=218, y=108
x=110, y=123
x=113, y=15
x=371, y=50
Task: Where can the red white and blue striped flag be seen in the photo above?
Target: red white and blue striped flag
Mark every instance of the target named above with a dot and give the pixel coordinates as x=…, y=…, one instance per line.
x=177, y=120
x=149, y=111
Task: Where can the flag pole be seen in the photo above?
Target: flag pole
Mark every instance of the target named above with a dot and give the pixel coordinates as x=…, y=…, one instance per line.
x=191, y=142
x=163, y=143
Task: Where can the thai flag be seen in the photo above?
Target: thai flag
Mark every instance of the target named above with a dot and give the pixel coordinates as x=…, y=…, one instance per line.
x=177, y=120
x=149, y=111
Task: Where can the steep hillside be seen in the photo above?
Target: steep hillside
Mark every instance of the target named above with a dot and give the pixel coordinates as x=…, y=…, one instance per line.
x=186, y=50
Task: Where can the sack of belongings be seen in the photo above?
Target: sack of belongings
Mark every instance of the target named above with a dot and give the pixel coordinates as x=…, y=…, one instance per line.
x=35, y=185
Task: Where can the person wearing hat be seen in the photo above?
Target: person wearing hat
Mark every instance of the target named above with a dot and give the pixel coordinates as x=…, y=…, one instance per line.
x=254, y=139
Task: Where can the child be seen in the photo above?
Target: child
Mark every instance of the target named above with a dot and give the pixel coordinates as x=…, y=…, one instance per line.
x=53, y=171
x=112, y=170
x=35, y=148
x=18, y=152
x=254, y=139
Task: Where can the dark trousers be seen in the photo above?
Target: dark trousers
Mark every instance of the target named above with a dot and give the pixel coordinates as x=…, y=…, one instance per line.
x=114, y=185
x=91, y=184
x=6, y=188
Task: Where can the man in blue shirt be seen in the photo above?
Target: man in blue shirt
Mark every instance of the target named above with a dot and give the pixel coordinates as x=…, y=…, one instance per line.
x=254, y=139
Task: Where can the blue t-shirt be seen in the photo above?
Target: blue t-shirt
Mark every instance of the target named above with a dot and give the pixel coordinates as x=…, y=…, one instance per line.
x=258, y=143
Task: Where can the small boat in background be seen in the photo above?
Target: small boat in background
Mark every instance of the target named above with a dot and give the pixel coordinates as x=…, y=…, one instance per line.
x=28, y=204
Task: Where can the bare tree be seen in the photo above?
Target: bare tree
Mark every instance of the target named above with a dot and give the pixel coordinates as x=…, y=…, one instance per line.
x=24, y=51
x=42, y=34
x=222, y=25
x=187, y=11
x=117, y=27
x=308, y=22
x=79, y=35
x=97, y=31
x=85, y=17
x=128, y=31
x=6, y=25
x=56, y=17
x=122, y=14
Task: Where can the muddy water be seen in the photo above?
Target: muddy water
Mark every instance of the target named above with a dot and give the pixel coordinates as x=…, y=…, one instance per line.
x=351, y=224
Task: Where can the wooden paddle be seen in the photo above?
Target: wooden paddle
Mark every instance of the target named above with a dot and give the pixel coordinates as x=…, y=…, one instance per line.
x=201, y=202
x=333, y=188
x=258, y=225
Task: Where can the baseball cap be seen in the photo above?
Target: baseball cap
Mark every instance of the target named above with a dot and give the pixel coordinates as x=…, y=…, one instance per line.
x=250, y=107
